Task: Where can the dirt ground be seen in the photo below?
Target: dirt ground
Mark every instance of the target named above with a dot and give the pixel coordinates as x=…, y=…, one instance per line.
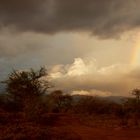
x=89, y=130
x=69, y=127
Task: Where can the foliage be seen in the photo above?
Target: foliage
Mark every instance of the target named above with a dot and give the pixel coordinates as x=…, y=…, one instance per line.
x=58, y=101
x=91, y=105
x=21, y=84
x=136, y=93
x=25, y=90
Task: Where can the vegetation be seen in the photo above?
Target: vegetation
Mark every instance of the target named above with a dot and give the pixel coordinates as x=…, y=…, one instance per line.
x=25, y=84
x=25, y=90
x=28, y=104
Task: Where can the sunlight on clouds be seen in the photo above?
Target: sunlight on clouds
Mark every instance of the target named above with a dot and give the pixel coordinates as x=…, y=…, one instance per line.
x=83, y=76
x=91, y=93
x=79, y=67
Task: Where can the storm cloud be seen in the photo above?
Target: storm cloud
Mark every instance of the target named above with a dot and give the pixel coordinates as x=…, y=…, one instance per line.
x=103, y=18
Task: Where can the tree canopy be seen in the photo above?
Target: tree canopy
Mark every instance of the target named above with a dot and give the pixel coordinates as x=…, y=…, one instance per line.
x=23, y=84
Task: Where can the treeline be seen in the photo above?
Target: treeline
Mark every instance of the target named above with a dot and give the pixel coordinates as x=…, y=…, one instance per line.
x=27, y=92
x=28, y=110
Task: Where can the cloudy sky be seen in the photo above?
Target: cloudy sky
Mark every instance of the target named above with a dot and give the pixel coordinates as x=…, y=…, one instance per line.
x=88, y=46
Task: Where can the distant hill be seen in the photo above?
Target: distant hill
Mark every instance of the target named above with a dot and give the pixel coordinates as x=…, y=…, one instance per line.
x=116, y=99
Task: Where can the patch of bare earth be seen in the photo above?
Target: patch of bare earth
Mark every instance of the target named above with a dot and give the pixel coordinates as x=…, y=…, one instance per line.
x=96, y=128
x=66, y=127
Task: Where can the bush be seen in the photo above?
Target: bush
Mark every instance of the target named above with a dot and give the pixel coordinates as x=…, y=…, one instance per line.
x=91, y=105
x=57, y=101
x=25, y=90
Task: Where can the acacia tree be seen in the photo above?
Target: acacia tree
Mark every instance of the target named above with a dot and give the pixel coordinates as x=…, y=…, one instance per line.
x=26, y=87
x=60, y=101
x=136, y=93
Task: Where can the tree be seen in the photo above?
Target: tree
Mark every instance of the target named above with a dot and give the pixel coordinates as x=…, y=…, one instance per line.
x=60, y=101
x=26, y=87
x=136, y=93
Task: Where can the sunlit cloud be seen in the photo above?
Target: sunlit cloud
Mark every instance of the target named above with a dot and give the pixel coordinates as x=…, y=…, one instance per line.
x=84, y=77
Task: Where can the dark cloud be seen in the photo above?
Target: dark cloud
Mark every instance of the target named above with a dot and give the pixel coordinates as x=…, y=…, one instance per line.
x=13, y=45
x=104, y=18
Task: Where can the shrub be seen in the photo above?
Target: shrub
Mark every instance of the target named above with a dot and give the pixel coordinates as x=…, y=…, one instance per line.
x=59, y=102
x=25, y=90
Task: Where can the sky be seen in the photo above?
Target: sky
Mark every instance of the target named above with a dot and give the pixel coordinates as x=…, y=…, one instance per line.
x=88, y=46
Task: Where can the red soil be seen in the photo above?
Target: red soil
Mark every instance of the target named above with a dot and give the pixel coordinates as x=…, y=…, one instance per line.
x=68, y=127
x=91, y=132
